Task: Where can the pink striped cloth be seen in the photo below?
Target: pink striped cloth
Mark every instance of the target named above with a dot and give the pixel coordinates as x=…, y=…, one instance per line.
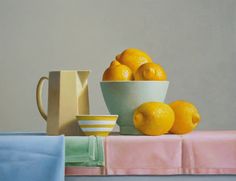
x=84, y=171
x=200, y=152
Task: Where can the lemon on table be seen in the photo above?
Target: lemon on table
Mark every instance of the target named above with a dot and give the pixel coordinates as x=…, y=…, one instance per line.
x=150, y=71
x=117, y=71
x=133, y=58
x=186, y=117
x=153, y=118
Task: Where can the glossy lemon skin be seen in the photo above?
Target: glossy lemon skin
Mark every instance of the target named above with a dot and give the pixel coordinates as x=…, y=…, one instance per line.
x=133, y=58
x=150, y=71
x=117, y=72
x=187, y=117
x=153, y=118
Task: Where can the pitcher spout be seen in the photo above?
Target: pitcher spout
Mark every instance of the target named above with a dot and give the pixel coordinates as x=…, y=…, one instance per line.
x=83, y=76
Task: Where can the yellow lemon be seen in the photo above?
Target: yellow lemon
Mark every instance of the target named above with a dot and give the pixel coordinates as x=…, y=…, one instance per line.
x=186, y=117
x=150, y=71
x=117, y=71
x=133, y=58
x=153, y=118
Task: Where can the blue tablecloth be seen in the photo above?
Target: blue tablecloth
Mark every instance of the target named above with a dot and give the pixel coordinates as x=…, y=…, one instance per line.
x=31, y=157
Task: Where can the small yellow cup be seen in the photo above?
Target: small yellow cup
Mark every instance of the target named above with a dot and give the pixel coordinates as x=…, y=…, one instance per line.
x=97, y=125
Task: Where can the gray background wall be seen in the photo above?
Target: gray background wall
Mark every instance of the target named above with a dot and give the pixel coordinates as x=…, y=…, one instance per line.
x=194, y=40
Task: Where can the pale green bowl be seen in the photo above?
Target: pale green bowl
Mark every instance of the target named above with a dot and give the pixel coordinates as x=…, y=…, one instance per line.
x=123, y=97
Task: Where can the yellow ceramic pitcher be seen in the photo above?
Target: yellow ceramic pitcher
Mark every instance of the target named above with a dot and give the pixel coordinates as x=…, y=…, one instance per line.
x=67, y=97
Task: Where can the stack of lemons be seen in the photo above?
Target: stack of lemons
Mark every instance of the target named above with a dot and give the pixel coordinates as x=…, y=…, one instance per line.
x=152, y=118
x=134, y=64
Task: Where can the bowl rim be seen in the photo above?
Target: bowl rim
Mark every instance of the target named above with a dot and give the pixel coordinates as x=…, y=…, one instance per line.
x=98, y=115
x=136, y=81
x=88, y=117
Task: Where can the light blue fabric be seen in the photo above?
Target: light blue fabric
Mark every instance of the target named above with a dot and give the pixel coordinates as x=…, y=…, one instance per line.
x=31, y=157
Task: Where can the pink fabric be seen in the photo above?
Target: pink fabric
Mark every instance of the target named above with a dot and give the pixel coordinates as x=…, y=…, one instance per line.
x=143, y=155
x=69, y=171
x=209, y=152
x=200, y=152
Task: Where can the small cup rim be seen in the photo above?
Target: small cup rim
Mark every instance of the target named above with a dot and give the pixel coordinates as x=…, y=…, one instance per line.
x=93, y=117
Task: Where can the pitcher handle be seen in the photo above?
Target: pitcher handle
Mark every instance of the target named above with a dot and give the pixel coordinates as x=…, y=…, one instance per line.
x=39, y=97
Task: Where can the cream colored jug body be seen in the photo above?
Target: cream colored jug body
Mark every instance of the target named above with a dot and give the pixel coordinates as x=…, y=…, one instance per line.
x=67, y=97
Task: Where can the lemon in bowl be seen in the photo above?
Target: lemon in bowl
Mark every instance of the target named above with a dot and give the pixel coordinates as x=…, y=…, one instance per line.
x=133, y=58
x=97, y=125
